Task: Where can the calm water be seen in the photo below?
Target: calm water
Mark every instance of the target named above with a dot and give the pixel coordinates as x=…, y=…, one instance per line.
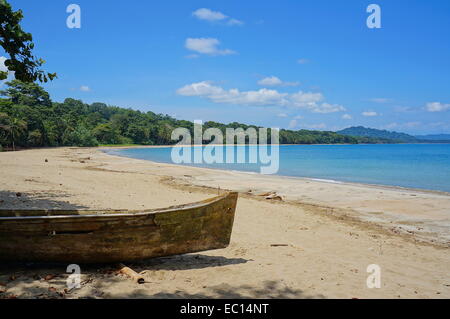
x=425, y=166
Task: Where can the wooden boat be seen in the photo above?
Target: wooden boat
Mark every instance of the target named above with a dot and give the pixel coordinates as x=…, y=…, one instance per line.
x=115, y=236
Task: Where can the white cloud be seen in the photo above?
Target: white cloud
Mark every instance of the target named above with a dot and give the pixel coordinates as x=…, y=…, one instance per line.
x=316, y=126
x=328, y=108
x=209, y=15
x=369, y=113
x=2, y=64
x=275, y=81
x=85, y=88
x=312, y=102
x=234, y=22
x=5, y=69
x=262, y=97
x=282, y=115
x=437, y=107
x=270, y=81
x=233, y=96
x=207, y=46
x=215, y=16
x=298, y=117
x=199, y=89
x=308, y=99
x=347, y=117
x=302, y=61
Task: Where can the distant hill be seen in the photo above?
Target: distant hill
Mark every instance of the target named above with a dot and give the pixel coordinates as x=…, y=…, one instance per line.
x=434, y=137
x=361, y=131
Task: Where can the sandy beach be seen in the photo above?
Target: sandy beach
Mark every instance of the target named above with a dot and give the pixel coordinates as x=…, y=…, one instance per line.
x=316, y=242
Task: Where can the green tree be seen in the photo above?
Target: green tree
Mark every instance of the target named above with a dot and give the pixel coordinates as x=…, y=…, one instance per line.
x=81, y=136
x=19, y=45
x=40, y=122
x=13, y=128
x=138, y=133
x=35, y=138
x=106, y=134
x=26, y=93
x=4, y=121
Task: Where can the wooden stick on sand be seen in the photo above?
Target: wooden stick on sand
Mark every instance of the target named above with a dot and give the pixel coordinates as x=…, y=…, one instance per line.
x=131, y=273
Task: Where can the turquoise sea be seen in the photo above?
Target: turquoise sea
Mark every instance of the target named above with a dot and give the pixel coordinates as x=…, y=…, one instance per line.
x=423, y=166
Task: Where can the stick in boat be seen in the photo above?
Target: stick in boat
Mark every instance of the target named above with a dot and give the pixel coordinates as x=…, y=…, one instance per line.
x=131, y=273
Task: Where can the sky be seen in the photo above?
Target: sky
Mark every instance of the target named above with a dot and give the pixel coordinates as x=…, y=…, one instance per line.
x=286, y=63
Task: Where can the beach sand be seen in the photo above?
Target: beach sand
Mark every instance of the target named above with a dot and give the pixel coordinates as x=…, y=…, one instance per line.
x=315, y=243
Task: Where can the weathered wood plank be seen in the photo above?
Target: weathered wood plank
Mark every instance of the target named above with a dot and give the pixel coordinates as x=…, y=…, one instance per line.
x=118, y=235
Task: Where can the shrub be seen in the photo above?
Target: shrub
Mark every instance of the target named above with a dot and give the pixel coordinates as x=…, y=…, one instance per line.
x=81, y=136
x=35, y=138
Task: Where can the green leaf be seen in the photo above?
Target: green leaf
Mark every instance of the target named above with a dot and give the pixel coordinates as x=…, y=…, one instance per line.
x=18, y=44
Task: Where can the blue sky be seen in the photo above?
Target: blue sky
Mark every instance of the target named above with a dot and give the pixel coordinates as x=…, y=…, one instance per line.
x=289, y=64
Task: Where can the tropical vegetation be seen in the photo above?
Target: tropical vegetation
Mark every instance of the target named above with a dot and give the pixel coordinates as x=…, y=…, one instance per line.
x=29, y=118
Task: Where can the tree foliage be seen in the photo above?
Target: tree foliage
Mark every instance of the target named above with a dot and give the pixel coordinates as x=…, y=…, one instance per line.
x=28, y=118
x=19, y=45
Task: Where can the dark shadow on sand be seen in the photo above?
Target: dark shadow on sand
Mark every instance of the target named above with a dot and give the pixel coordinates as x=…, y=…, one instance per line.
x=181, y=262
x=36, y=200
x=268, y=290
x=185, y=262
x=24, y=274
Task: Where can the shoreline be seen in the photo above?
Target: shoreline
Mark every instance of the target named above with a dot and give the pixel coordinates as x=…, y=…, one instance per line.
x=406, y=219
x=197, y=145
x=329, y=233
x=423, y=190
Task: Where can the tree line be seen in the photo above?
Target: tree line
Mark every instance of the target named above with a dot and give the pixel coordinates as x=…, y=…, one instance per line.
x=29, y=118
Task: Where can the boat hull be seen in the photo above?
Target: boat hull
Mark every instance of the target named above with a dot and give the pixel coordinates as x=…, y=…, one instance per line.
x=104, y=237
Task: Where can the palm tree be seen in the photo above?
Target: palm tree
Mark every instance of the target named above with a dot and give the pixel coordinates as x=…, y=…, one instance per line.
x=13, y=127
x=17, y=127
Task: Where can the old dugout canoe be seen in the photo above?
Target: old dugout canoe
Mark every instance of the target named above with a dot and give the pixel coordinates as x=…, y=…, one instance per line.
x=115, y=236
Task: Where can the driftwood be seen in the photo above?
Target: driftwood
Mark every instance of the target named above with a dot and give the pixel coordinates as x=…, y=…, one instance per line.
x=270, y=196
x=131, y=273
x=274, y=197
x=266, y=194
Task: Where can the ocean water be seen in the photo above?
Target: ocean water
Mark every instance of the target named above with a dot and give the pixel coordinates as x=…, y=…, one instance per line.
x=422, y=166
